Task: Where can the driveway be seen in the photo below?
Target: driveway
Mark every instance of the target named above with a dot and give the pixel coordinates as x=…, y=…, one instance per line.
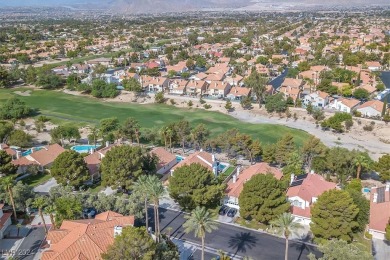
x=45, y=187
x=236, y=241
x=380, y=249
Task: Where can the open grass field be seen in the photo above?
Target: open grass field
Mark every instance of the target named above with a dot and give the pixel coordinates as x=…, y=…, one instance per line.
x=84, y=111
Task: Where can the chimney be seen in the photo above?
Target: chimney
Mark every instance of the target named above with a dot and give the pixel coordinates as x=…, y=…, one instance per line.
x=18, y=153
x=292, y=177
x=311, y=171
x=375, y=197
x=213, y=157
x=1, y=146
x=32, y=150
x=117, y=231
x=107, y=143
x=234, y=178
x=91, y=151
x=238, y=170
x=387, y=186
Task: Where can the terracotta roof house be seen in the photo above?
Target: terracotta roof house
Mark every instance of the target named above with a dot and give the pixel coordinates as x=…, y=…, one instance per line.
x=345, y=104
x=85, y=239
x=218, y=89
x=166, y=160
x=303, y=192
x=379, y=211
x=373, y=65
x=94, y=159
x=5, y=221
x=237, y=93
x=43, y=158
x=178, y=68
x=196, y=87
x=292, y=83
x=155, y=84
x=205, y=159
x=177, y=86
x=198, y=76
x=371, y=108
x=8, y=150
x=236, y=184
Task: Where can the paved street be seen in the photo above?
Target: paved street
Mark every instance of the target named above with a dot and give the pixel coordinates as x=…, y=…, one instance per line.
x=236, y=240
x=30, y=244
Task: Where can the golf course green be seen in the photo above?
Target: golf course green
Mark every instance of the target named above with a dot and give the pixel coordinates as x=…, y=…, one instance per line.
x=63, y=107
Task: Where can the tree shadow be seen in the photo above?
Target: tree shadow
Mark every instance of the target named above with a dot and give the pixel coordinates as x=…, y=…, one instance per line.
x=241, y=242
x=304, y=250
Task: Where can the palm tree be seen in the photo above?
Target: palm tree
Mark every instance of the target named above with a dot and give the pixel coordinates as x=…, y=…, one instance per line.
x=200, y=222
x=94, y=133
x=156, y=190
x=7, y=183
x=223, y=256
x=40, y=203
x=360, y=161
x=51, y=209
x=285, y=224
x=140, y=186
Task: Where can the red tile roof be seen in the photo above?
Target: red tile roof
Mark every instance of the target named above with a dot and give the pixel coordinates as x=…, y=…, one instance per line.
x=84, y=239
x=164, y=157
x=312, y=186
x=203, y=158
x=379, y=211
x=47, y=155
x=234, y=189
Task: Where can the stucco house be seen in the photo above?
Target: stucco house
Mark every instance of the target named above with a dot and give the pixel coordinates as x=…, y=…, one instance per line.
x=178, y=86
x=236, y=184
x=303, y=193
x=5, y=221
x=166, y=160
x=379, y=211
x=345, y=104
x=371, y=108
x=218, y=89
x=317, y=99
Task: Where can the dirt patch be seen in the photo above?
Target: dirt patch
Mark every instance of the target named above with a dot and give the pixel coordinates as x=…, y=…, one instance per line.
x=26, y=93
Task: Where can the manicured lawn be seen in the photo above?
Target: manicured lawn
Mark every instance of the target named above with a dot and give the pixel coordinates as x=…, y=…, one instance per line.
x=84, y=110
x=35, y=180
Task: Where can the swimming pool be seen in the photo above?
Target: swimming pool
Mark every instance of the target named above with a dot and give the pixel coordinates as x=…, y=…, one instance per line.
x=366, y=190
x=221, y=167
x=30, y=151
x=179, y=158
x=84, y=148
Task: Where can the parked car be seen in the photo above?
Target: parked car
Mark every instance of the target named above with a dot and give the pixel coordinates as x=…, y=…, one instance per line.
x=89, y=213
x=232, y=212
x=223, y=210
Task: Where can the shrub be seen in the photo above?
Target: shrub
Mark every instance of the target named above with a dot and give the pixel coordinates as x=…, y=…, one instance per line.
x=172, y=101
x=201, y=100
x=207, y=106
x=368, y=235
x=368, y=128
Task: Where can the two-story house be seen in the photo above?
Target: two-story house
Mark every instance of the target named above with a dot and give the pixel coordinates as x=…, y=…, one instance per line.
x=236, y=184
x=154, y=84
x=218, y=89
x=196, y=87
x=303, y=193
x=317, y=99
x=178, y=86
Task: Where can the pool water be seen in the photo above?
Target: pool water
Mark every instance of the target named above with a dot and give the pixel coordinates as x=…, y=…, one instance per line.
x=221, y=167
x=30, y=151
x=366, y=190
x=84, y=148
x=179, y=158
